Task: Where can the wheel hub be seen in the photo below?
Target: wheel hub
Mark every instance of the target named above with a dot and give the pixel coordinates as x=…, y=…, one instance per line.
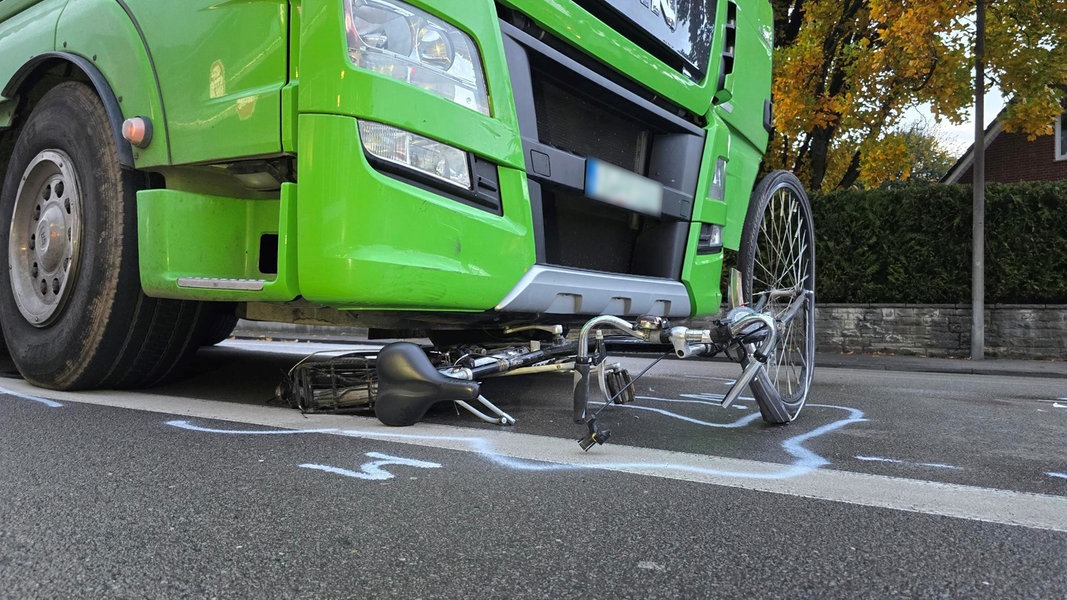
x=53, y=248
x=45, y=237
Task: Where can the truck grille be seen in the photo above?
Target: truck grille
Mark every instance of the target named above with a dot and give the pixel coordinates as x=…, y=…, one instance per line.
x=567, y=104
x=571, y=121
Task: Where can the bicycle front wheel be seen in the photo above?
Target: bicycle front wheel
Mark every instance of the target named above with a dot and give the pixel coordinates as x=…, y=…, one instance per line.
x=777, y=264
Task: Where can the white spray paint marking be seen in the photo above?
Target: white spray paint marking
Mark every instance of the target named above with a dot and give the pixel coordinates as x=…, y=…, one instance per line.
x=706, y=398
x=1037, y=511
x=806, y=459
x=186, y=425
x=804, y=462
x=45, y=401
x=709, y=398
x=743, y=421
x=940, y=466
x=537, y=453
x=373, y=471
x=1058, y=405
x=878, y=459
x=1057, y=475
x=904, y=462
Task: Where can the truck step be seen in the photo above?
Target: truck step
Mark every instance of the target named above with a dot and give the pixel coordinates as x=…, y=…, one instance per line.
x=209, y=283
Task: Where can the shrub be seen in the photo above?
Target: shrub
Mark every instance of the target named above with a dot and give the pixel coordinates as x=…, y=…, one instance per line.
x=912, y=244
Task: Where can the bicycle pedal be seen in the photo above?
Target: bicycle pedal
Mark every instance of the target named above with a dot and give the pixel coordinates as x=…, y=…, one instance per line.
x=596, y=435
x=620, y=387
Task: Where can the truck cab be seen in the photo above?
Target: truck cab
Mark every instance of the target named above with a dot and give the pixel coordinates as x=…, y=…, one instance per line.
x=407, y=166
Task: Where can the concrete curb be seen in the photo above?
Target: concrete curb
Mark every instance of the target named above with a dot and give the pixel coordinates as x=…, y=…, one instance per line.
x=917, y=364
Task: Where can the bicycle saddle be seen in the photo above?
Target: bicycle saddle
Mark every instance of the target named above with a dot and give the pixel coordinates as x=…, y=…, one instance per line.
x=408, y=384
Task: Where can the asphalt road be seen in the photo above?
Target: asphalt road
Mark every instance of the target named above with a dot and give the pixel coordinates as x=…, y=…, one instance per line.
x=889, y=484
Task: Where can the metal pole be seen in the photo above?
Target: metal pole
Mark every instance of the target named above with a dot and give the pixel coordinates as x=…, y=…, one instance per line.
x=978, y=209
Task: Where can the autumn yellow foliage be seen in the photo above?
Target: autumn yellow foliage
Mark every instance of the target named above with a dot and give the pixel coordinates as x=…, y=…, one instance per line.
x=847, y=70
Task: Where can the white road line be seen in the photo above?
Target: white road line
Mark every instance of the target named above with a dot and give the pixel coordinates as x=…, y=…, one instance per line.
x=897, y=461
x=1038, y=511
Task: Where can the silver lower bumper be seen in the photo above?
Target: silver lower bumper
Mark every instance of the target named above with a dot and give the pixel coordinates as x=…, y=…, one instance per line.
x=561, y=291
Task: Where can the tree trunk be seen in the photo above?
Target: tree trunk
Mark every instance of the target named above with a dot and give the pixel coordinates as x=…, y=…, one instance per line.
x=852, y=174
x=817, y=155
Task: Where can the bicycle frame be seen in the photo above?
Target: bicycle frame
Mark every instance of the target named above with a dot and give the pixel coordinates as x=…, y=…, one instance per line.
x=409, y=383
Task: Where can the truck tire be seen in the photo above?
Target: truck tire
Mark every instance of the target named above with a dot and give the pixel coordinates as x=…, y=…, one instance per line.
x=71, y=306
x=217, y=323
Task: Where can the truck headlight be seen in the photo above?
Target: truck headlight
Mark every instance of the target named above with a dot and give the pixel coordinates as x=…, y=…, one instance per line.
x=400, y=41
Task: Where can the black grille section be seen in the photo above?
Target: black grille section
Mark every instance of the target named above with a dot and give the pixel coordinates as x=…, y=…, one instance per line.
x=571, y=121
x=586, y=235
x=590, y=235
x=569, y=113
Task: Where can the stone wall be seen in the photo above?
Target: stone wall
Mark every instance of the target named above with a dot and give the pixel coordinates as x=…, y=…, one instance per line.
x=940, y=330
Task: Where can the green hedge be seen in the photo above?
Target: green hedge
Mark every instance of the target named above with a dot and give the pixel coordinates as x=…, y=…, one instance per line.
x=912, y=244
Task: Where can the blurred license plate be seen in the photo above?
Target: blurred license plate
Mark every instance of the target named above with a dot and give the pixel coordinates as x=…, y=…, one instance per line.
x=625, y=189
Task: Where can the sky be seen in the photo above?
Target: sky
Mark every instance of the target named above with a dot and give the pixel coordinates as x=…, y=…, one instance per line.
x=956, y=139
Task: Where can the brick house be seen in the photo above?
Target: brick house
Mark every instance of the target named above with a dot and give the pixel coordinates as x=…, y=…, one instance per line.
x=1010, y=157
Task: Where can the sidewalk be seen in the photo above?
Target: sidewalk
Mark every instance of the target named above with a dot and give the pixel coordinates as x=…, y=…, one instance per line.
x=1004, y=367
x=989, y=366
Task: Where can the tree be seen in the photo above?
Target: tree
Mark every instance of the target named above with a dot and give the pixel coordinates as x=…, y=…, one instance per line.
x=928, y=160
x=846, y=70
x=925, y=159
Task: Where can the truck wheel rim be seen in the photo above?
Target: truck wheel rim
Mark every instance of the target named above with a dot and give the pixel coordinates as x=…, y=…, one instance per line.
x=45, y=237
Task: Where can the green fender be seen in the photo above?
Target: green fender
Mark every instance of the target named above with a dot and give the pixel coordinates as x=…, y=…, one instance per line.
x=99, y=83
x=124, y=62
x=117, y=65
x=30, y=27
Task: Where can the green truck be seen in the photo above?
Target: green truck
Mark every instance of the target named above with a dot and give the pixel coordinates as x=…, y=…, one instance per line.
x=457, y=169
